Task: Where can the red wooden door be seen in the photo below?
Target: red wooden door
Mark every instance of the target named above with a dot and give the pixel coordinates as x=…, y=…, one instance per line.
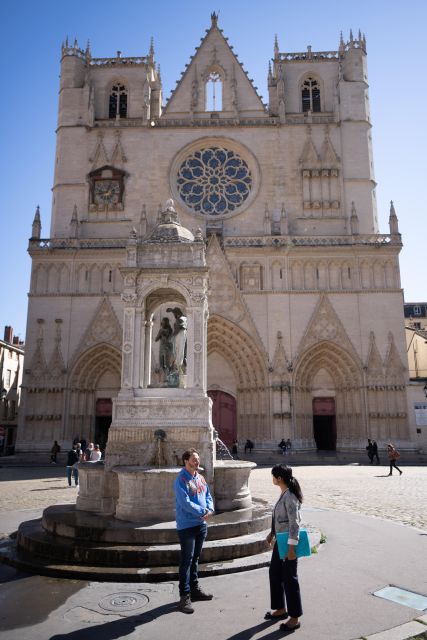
x=224, y=415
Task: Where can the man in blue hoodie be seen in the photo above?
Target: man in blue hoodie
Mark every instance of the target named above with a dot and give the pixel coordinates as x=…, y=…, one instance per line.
x=194, y=505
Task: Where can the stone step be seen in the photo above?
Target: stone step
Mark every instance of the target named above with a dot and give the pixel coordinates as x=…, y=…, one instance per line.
x=43, y=566
x=32, y=540
x=66, y=521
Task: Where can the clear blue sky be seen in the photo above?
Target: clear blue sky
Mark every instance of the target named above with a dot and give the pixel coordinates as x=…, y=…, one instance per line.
x=32, y=34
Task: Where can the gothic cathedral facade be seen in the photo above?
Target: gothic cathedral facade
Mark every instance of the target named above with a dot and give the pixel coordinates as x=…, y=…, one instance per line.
x=305, y=331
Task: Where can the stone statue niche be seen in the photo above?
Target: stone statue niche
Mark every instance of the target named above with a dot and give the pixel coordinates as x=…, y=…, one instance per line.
x=169, y=357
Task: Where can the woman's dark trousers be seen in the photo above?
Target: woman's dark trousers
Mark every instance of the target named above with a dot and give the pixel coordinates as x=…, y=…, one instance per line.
x=393, y=464
x=284, y=585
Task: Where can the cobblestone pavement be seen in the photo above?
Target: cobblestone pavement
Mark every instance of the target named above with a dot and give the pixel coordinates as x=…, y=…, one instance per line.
x=351, y=488
x=358, y=489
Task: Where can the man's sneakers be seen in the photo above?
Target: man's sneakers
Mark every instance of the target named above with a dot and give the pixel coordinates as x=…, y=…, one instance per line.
x=198, y=595
x=185, y=604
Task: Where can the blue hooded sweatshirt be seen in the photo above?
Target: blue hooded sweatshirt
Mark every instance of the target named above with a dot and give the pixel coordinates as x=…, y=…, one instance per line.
x=193, y=499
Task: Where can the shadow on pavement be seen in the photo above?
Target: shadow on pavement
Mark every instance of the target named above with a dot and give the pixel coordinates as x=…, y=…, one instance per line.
x=27, y=600
x=55, y=488
x=247, y=634
x=117, y=628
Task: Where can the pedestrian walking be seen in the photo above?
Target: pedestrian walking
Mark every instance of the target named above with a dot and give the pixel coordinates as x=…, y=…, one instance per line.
x=370, y=450
x=375, y=451
x=54, y=452
x=194, y=505
x=72, y=462
x=284, y=585
x=234, y=449
x=393, y=455
x=288, y=445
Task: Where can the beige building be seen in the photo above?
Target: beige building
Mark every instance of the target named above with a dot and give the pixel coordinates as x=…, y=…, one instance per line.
x=305, y=331
x=11, y=369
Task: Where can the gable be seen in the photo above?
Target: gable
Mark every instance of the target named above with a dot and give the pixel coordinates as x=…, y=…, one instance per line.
x=239, y=96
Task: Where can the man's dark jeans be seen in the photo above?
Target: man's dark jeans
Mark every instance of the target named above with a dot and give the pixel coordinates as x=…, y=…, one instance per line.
x=191, y=541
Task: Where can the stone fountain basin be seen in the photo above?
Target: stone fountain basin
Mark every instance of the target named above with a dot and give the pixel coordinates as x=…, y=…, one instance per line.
x=145, y=493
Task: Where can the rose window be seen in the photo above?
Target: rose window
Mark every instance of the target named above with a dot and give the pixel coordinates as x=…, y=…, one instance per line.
x=214, y=181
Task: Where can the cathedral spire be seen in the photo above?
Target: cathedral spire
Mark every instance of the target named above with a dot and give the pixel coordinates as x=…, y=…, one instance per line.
x=393, y=221
x=37, y=225
x=88, y=54
x=276, y=48
x=270, y=75
x=151, y=51
x=341, y=47
x=214, y=19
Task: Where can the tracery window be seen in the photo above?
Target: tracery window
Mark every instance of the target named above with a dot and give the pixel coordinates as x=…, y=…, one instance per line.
x=310, y=95
x=118, y=103
x=214, y=181
x=214, y=92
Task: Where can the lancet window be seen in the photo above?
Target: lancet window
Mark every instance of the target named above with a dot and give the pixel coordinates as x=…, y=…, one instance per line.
x=213, y=89
x=310, y=95
x=118, y=103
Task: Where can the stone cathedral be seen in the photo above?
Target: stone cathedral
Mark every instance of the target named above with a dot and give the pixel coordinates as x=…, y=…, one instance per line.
x=305, y=335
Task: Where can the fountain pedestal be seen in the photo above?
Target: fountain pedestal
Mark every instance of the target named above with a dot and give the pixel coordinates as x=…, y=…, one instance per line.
x=146, y=494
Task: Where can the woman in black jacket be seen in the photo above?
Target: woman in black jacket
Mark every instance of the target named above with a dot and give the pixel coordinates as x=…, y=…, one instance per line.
x=284, y=585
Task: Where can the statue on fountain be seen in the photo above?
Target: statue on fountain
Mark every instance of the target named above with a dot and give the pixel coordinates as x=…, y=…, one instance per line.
x=166, y=349
x=179, y=336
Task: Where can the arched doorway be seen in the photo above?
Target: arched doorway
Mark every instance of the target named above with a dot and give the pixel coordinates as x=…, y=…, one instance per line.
x=94, y=382
x=224, y=415
x=329, y=409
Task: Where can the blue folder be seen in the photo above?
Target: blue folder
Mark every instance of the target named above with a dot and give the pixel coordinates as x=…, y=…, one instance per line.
x=301, y=549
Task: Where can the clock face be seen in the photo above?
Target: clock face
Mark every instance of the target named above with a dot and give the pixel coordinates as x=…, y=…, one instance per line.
x=106, y=192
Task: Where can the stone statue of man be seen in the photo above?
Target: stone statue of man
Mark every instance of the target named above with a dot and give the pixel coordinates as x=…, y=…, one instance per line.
x=179, y=339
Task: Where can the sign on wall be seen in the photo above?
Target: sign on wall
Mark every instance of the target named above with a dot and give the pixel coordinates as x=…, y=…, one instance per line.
x=420, y=413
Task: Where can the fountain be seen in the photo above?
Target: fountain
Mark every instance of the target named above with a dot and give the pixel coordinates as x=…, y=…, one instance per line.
x=128, y=502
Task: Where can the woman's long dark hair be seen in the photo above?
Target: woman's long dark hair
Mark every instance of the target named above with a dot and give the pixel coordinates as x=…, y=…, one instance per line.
x=285, y=473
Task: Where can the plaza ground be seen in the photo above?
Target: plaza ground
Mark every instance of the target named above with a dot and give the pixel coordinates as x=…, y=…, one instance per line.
x=358, y=507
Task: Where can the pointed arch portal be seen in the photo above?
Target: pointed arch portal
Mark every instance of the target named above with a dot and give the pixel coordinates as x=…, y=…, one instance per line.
x=94, y=382
x=329, y=400
x=245, y=364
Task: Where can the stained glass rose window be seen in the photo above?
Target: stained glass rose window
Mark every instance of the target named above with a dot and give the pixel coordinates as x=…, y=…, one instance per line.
x=214, y=181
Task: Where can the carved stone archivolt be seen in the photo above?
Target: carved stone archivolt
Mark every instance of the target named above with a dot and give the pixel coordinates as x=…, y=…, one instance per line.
x=240, y=350
x=94, y=362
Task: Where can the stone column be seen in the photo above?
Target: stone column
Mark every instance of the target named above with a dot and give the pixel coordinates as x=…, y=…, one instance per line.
x=128, y=347
x=137, y=367
x=196, y=343
x=147, y=352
